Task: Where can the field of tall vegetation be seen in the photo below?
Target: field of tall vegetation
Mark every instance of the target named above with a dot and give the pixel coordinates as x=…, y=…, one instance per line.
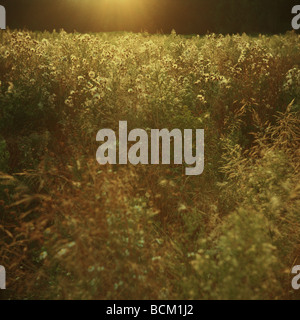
x=72, y=229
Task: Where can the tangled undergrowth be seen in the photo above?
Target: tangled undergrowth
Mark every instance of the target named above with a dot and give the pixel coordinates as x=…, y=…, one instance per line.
x=71, y=229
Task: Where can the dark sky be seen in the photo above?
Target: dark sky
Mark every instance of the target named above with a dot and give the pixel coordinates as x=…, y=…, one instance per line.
x=185, y=16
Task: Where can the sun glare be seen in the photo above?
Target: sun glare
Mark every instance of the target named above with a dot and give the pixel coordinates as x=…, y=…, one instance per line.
x=124, y=12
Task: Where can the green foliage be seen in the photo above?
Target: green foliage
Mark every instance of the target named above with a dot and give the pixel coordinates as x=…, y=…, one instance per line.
x=72, y=229
x=4, y=156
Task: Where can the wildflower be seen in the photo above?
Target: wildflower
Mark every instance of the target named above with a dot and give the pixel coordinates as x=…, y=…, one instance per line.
x=62, y=252
x=43, y=255
x=91, y=268
x=92, y=74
